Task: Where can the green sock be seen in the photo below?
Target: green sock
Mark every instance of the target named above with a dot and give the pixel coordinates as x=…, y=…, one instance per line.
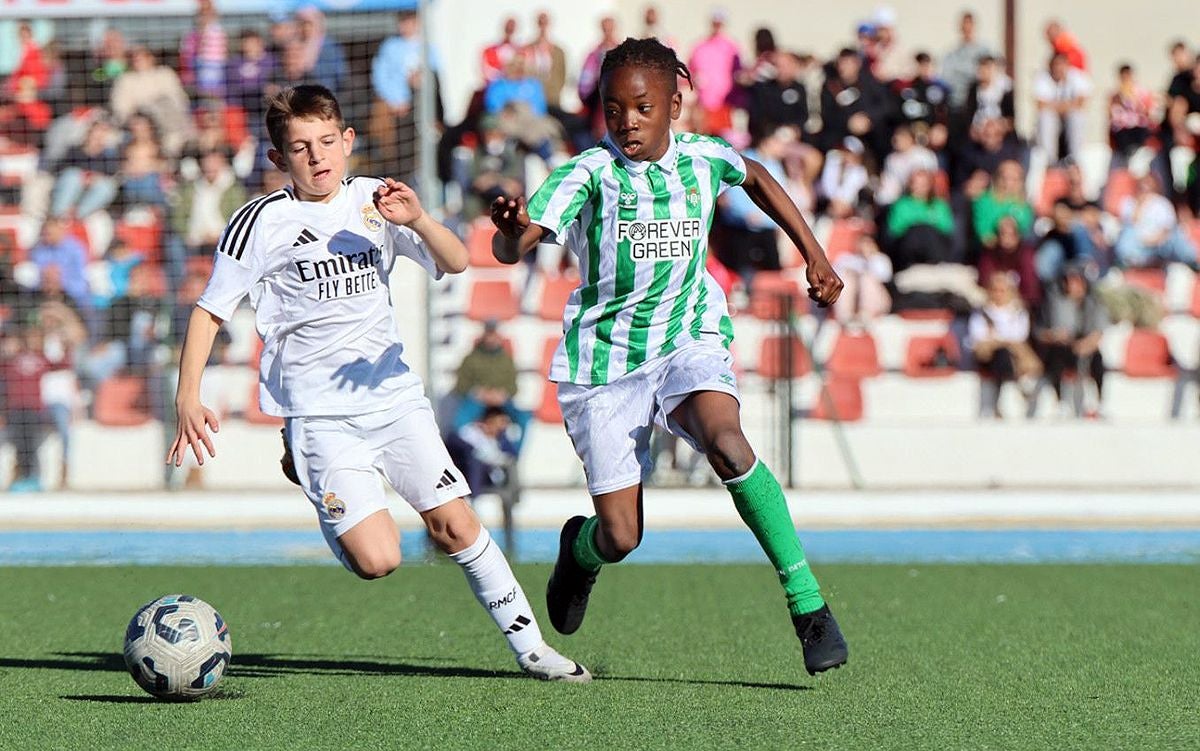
x=760, y=502
x=587, y=554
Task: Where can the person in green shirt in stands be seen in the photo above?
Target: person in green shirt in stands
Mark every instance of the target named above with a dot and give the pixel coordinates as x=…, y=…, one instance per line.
x=1006, y=197
x=920, y=225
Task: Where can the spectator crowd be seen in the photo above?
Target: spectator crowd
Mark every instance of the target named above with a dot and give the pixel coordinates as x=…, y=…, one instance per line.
x=910, y=167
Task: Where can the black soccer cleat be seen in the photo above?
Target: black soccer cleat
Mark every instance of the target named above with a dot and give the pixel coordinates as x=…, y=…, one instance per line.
x=286, y=463
x=824, y=646
x=570, y=584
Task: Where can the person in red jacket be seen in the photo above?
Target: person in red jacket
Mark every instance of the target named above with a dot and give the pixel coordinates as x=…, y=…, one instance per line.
x=1011, y=253
x=23, y=416
x=30, y=66
x=1065, y=43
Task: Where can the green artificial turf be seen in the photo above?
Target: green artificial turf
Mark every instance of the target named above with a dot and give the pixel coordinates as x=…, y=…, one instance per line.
x=966, y=656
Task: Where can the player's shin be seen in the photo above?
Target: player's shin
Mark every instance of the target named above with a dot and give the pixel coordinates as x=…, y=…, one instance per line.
x=498, y=591
x=760, y=502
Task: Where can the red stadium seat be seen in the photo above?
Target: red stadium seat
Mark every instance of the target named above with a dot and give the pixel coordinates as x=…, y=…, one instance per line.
x=927, y=314
x=548, y=410
x=555, y=293
x=548, y=348
x=840, y=399
x=854, y=355
x=142, y=236
x=255, y=416
x=772, y=358
x=920, y=361
x=1121, y=185
x=1151, y=280
x=1148, y=355
x=10, y=246
x=768, y=293
x=843, y=237
x=122, y=401
x=479, y=244
x=492, y=300
x=1054, y=186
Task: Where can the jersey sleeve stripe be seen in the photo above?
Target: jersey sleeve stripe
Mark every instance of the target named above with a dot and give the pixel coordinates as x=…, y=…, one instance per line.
x=245, y=237
x=235, y=226
x=554, y=206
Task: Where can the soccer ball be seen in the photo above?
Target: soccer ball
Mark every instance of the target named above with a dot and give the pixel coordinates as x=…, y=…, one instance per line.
x=177, y=647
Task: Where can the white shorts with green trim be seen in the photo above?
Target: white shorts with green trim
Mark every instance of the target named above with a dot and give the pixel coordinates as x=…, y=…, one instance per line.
x=610, y=425
x=339, y=461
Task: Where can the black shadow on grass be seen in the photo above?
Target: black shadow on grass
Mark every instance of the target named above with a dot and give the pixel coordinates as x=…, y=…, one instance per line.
x=113, y=699
x=704, y=682
x=218, y=695
x=254, y=665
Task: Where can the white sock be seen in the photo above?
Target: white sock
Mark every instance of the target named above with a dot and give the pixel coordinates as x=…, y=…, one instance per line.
x=498, y=592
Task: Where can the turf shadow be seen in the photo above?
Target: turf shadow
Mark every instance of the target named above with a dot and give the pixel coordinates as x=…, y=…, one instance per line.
x=704, y=682
x=219, y=695
x=263, y=665
x=112, y=699
x=256, y=665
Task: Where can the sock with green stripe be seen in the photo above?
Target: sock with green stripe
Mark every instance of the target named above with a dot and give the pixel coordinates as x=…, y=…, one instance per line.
x=759, y=501
x=587, y=553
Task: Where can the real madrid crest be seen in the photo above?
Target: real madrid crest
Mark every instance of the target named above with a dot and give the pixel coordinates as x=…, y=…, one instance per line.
x=334, y=506
x=371, y=217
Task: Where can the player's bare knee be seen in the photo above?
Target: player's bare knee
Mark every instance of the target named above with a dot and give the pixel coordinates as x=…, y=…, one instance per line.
x=729, y=453
x=376, y=564
x=452, y=533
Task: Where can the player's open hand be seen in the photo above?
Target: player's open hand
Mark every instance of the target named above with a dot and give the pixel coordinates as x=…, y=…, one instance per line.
x=824, y=286
x=192, y=430
x=509, y=216
x=397, y=202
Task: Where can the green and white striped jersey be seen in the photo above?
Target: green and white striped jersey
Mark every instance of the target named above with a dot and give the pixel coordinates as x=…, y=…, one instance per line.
x=640, y=231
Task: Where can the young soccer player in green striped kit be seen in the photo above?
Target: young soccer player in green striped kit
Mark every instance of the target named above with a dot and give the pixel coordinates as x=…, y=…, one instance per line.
x=646, y=334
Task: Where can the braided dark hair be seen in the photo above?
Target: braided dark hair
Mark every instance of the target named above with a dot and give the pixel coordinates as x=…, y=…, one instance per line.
x=645, y=53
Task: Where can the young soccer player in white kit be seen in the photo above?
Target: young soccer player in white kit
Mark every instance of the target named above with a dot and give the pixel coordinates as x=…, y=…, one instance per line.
x=646, y=333
x=315, y=259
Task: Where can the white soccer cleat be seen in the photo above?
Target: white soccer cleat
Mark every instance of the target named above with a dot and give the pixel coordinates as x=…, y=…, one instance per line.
x=546, y=664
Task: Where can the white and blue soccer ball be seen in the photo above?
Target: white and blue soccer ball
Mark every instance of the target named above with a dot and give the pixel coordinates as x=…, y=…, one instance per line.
x=177, y=647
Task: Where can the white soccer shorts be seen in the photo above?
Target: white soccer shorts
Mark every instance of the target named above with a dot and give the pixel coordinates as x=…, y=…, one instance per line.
x=339, y=461
x=610, y=425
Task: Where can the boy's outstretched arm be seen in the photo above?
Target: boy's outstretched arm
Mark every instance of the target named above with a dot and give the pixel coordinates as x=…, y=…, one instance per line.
x=824, y=284
x=516, y=236
x=399, y=204
x=192, y=418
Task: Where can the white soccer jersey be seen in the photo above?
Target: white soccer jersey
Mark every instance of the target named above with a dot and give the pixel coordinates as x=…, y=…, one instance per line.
x=640, y=230
x=317, y=276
